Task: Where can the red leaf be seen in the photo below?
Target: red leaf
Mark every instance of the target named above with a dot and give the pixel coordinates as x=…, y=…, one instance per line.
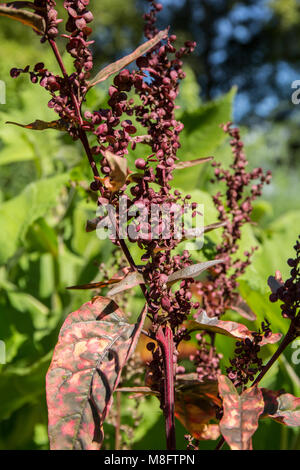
x=227, y=328
x=94, y=344
x=122, y=63
x=38, y=125
x=282, y=407
x=241, y=414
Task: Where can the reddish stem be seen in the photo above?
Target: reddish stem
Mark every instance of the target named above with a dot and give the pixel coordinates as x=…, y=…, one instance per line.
x=289, y=337
x=166, y=343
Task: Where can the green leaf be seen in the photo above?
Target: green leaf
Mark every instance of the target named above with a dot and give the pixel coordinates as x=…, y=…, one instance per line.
x=19, y=386
x=19, y=213
x=202, y=135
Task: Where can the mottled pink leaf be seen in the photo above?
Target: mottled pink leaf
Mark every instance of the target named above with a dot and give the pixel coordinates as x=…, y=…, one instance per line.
x=93, y=346
x=240, y=414
x=282, y=407
x=227, y=328
x=122, y=63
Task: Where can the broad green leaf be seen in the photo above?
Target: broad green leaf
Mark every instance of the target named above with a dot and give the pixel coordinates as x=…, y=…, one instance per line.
x=19, y=386
x=202, y=136
x=17, y=214
x=29, y=305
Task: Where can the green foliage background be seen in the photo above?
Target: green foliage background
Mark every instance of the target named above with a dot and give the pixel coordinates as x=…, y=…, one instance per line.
x=44, y=247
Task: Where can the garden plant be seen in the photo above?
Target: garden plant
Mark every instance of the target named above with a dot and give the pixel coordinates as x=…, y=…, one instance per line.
x=187, y=278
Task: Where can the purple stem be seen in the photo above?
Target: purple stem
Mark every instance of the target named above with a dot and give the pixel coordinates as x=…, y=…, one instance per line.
x=166, y=343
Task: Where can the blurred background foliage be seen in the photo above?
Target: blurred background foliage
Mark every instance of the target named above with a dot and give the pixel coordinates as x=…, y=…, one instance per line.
x=44, y=202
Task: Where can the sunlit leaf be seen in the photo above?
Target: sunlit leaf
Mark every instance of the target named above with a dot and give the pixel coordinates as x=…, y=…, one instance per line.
x=94, y=344
x=240, y=414
x=130, y=280
x=192, y=271
x=228, y=328
x=122, y=63
x=282, y=407
x=24, y=16
x=118, y=174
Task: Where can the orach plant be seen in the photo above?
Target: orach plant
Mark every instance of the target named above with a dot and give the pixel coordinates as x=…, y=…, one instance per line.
x=96, y=343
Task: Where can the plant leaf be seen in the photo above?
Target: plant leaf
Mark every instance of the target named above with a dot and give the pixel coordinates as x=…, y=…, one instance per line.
x=118, y=174
x=132, y=279
x=122, y=63
x=94, y=285
x=94, y=344
x=274, y=284
x=38, y=125
x=227, y=328
x=199, y=232
x=241, y=414
x=192, y=271
x=282, y=407
x=26, y=17
x=190, y=163
x=20, y=212
x=243, y=309
x=195, y=408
